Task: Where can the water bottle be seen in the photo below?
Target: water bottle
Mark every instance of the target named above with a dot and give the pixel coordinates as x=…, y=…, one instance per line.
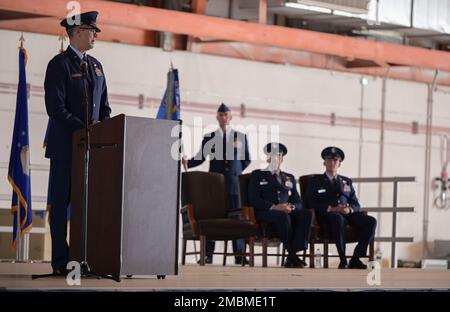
x=318, y=259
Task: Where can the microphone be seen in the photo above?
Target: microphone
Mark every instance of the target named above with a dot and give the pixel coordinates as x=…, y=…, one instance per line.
x=84, y=73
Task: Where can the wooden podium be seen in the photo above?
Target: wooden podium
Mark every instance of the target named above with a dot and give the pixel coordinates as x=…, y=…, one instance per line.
x=133, y=196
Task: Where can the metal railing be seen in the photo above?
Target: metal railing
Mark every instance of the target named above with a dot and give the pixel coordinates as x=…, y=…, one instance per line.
x=394, y=210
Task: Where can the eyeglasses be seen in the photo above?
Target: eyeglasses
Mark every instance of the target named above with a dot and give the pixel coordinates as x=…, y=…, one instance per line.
x=92, y=30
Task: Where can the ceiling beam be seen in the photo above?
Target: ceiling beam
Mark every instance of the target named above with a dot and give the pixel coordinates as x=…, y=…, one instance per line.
x=149, y=18
x=46, y=25
x=316, y=60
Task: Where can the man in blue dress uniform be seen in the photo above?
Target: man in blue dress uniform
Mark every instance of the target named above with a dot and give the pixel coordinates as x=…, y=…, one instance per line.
x=273, y=193
x=228, y=154
x=334, y=200
x=64, y=101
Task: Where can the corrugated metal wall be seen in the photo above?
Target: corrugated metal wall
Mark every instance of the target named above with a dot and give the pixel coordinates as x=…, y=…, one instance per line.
x=432, y=14
x=427, y=14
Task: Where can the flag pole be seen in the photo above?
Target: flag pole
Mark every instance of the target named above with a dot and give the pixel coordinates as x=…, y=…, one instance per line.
x=24, y=244
x=62, y=38
x=26, y=247
x=18, y=212
x=21, y=39
x=18, y=240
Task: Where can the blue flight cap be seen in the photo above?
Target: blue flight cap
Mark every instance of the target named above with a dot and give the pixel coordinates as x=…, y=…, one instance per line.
x=87, y=18
x=223, y=108
x=333, y=152
x=275, y=148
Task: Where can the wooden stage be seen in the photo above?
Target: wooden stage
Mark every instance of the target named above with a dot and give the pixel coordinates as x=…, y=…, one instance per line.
x=17, y=276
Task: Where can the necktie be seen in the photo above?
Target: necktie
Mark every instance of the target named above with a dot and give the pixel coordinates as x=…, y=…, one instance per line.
x=335, y=183
x=224, y=146
x=85, y=60
x=278, y=177
x=89, y=72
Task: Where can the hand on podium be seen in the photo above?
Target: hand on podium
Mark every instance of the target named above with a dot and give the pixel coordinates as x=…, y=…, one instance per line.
x=185, y=163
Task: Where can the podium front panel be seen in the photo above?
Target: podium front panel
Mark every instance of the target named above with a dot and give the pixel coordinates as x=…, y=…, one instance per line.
x=150, y=198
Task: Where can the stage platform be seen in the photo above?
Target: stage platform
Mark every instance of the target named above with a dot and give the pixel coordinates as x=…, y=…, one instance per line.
x=17, y=276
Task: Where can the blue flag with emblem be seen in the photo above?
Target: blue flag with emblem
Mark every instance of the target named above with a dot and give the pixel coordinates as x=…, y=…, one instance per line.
x=170, y=103
x=19, y=161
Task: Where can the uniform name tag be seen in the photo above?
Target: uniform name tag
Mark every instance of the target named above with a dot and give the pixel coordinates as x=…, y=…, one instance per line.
x=263, y=182
x=347, y=188
x=321, y=191
x=75, y=75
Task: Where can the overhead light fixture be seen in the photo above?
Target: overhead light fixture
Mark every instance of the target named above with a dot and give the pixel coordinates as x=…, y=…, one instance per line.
x=349, y=14
x=379, y=33
x=314, y=8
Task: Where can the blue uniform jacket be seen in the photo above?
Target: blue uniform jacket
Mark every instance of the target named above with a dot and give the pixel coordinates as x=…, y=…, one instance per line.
x=320, y=194
x=238, y=157
x=265, y=190
x=64, y=100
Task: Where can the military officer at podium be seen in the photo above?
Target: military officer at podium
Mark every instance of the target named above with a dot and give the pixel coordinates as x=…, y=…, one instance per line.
x=334, y=200
x=64, y=103
x=228, y=154
x=273, y=193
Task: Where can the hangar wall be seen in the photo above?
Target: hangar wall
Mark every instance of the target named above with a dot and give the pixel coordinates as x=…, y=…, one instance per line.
x=298, y=100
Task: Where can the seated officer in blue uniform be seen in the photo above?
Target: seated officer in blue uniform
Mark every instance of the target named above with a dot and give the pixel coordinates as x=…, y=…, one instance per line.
x=334, y=200
x=64, y=90
x=273, y=194
x=228, y=154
